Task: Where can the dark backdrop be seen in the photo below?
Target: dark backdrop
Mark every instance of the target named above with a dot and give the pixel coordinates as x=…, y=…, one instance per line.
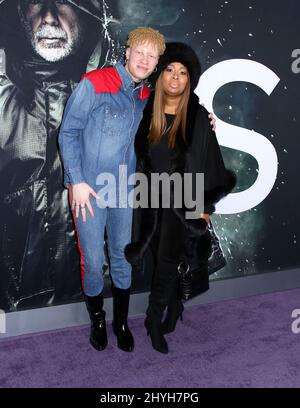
x=265, y=236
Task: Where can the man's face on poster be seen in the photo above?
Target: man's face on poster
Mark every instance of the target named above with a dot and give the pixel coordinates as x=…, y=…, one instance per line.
x=53, y=27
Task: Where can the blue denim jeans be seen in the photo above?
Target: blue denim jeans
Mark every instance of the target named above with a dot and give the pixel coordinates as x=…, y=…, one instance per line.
x=90, y=235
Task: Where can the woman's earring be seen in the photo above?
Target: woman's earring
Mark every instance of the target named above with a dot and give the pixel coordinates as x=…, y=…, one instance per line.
x=155, y=69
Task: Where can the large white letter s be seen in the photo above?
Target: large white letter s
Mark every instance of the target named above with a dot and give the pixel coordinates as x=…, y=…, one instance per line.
x=238, y=138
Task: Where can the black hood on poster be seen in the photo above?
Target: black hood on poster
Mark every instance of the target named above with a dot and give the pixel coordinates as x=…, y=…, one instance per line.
x=24, y=67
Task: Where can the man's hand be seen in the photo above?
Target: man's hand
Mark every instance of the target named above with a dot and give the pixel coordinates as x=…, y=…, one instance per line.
x=81, y=199
x=205, y=216
x=212, y=120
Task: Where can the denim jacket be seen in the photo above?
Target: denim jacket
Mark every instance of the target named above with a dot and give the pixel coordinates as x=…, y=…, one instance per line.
x=99, y=125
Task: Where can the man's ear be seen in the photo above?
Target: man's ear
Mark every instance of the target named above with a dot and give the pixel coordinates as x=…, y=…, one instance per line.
x=127, y=53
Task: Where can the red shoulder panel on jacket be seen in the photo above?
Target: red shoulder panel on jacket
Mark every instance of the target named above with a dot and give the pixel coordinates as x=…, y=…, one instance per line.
x=104, y=80
x=144, y=92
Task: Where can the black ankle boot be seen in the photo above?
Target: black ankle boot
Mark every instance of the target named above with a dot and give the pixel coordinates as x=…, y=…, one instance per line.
x=98, y=335
x=120, y=313
x=154, y=329
x=163, y=285
x=174, y=312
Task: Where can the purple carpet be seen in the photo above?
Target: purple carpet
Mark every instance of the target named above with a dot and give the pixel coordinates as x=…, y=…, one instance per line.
x=238, y=343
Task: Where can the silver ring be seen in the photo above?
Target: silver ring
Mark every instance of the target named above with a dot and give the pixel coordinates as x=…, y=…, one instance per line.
x=182, y=263
x=82, y=206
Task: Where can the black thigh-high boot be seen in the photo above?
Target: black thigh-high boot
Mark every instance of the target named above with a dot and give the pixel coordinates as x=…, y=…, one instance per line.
x=174, y=310
x=120, y=314
x=158, y=300
x=98, y=335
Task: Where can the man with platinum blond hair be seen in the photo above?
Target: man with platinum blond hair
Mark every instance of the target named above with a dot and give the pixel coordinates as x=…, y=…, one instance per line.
x=97, y=135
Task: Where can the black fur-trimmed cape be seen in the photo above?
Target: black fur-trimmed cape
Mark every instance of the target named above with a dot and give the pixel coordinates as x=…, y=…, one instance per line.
x=200, y=154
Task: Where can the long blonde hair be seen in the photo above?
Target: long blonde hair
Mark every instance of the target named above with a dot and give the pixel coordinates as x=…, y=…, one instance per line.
x=158, y=122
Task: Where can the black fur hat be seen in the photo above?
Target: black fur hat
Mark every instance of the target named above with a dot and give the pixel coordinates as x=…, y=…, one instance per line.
x=183, y=53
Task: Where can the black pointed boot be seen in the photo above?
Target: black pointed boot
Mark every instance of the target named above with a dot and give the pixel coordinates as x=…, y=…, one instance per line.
x=120, y=314
x=174, y=311
x=98, y=335
x=161, y=290
x=154, y=326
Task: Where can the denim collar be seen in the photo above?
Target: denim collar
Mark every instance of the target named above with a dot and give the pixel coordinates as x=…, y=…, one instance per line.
x=125, y=77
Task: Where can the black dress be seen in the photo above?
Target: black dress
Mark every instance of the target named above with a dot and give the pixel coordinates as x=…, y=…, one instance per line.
x=168, y=225
x=160, y=153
